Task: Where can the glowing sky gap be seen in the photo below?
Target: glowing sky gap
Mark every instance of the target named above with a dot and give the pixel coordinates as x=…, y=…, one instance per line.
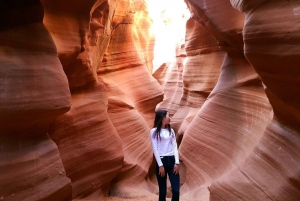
x=169, y=20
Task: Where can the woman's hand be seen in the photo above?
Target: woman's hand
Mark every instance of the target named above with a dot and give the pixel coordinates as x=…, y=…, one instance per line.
x=176, y=169
x=162, y=171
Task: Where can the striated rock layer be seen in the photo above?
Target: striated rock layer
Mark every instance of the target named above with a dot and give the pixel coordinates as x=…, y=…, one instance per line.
x=271, y=171
x=31, y=167
x=33, y=83
x=200, y=73
x=77, y=100
x=231, y=111
x=86, y=138
x=132, y=96
x=33, y=91
x=90, y=135
x=88, y=143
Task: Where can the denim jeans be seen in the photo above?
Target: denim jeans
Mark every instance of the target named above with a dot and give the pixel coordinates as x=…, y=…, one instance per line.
x=168, y=163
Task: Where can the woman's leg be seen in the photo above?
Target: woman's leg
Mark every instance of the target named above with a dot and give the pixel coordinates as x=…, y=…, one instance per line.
x=175, y=182
x=162, y=184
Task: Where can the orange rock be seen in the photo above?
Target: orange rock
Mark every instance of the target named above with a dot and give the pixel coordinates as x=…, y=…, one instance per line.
x=31, y=167
x=88, y=143
x=81, y=38
x=28, y=68
x=33, y=91
x=227, y=126
x=132, y=96
x=271, y=171
x=78, y=74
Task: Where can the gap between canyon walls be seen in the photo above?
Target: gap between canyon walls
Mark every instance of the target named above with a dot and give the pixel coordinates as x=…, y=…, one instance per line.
x=78, y=97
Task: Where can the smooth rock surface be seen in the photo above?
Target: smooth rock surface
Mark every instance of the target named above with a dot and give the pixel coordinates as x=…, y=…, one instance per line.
x=132, y=96
x=33, y=91
x=271, y=171
x=77, y=100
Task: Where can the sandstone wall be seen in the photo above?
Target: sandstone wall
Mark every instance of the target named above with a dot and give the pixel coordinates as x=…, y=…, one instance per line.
x=33, y=91
x=242, y=136
x=132, y=96
x=271, y=45
x=56, y=48
x=77, y=100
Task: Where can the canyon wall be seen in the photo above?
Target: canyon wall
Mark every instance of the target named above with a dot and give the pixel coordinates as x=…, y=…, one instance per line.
x=240, y=137
x=271, y=45
x=34, y=90
x=86, y=138
x=84, y=133
x=77, y=100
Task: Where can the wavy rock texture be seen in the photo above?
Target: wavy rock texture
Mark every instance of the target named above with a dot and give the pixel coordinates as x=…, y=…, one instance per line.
x=170, y=77
x=88, y=143
x=187, y=85
x=144, y=40
x=130, y=104
x=31, y=167
x=87, y=140
x=271, y=171
x=123, y=66
x=236, y=113
x=232, y=94
x=28, y=64
x=33, y=91
x=200, y=73
x=133, y=130
x=81, y=34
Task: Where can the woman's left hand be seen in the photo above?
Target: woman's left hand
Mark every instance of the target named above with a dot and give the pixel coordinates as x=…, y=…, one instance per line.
x=176, y=169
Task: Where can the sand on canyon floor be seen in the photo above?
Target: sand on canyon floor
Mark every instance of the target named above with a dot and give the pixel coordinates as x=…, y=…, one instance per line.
x=146, y=198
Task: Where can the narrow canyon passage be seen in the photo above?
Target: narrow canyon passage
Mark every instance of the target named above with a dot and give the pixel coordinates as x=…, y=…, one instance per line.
x=81, y=81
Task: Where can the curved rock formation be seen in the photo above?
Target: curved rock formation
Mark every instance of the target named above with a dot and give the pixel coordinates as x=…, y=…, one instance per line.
x=33, y=91
x=31, y=167
x=234, y=116
x=86, y=138
x=25, y=89
x=88, y=143
x=271, y=171
x=77, y=100
x=200, y=73
x=130, y=104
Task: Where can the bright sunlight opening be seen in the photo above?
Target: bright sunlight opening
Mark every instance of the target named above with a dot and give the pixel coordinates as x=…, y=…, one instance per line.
x=169, y=20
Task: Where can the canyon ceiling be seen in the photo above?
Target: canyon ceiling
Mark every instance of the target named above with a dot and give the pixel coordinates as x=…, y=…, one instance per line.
x=78, y=95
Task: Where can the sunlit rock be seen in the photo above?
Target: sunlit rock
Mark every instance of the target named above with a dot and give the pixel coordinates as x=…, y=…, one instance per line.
x=87, y=140
x=132, y=96
x=201, y=70
x=236, y=112
x=80, y=81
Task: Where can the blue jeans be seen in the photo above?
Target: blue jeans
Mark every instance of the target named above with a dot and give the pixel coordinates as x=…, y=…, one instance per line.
x=168, y=163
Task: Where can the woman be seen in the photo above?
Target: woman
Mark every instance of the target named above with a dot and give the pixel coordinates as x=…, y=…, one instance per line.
x=166, y=154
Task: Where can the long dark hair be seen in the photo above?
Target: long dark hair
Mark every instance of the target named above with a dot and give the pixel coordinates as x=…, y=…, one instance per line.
x=159, y=116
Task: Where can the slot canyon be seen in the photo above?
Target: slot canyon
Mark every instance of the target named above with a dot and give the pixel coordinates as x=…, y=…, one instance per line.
x=80, y=81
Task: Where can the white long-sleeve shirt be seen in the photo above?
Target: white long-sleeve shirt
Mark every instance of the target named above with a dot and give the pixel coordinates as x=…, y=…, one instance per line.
x=164, y=146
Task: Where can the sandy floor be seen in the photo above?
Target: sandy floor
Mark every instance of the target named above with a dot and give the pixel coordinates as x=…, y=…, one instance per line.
x=154, y=198
x=148, y=198
x=133, y=199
